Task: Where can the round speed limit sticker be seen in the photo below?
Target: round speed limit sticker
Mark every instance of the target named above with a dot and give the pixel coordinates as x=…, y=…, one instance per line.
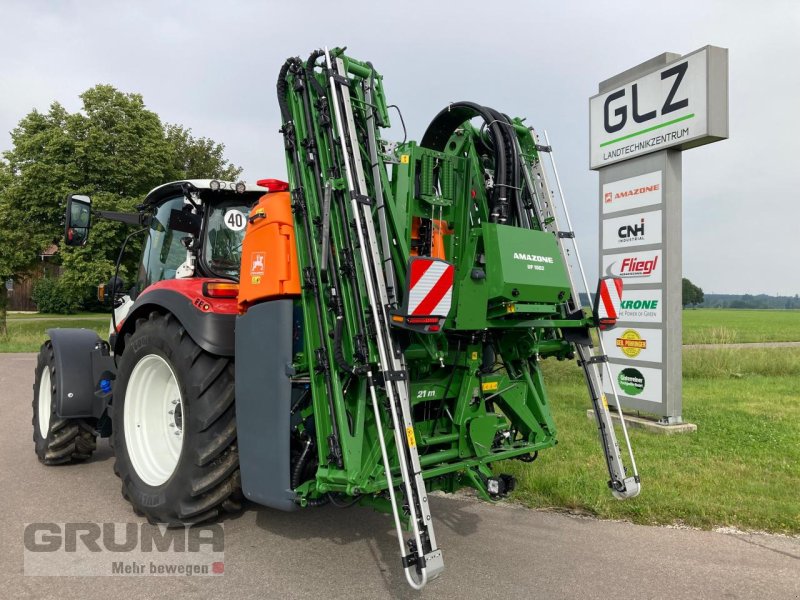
x=235, y=220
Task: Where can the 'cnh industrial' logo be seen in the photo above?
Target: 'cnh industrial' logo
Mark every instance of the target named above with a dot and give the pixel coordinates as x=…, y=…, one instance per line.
x=631, y=233
x=621, y=111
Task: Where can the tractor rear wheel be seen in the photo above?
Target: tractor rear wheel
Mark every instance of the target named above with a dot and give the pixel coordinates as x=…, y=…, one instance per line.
x=174, y=433
x=56, y=440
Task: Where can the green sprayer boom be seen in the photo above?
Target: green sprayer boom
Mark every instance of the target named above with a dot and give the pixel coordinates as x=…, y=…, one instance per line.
x=369, y=332
x=435, y=278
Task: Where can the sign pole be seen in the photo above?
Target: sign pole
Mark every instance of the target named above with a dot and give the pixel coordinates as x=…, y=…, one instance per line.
x=641, y=121
x=643, y=245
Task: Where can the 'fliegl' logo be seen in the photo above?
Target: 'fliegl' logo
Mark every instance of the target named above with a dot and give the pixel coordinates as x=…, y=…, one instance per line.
x=633, y=267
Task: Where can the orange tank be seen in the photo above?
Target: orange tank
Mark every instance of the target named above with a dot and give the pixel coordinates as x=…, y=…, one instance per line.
x=439, y=230
x=269, y=266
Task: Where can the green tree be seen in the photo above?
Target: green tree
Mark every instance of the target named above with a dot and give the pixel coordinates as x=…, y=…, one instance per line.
x=198, y=157
x=692, y=295
x=13, y=259
x=115, y=150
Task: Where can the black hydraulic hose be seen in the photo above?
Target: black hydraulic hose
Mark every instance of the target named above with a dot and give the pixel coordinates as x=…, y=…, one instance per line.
x=516, y=176
x=297, y=472
x=294, y=65
x=338, y=350
x=310, y=64
x=514, y=168
x=313, y=503
x=451, y=118
x=347, y=264
x=352, y=502
x=283, y=87
x=313, y=162
x=502, y=141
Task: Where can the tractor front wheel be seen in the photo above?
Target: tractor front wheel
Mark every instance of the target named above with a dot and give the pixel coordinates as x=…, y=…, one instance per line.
x=56, y=440
x=174, y=430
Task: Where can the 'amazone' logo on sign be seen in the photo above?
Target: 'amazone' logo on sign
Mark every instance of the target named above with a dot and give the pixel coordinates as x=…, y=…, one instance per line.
x=635, y=191
x=533, y=258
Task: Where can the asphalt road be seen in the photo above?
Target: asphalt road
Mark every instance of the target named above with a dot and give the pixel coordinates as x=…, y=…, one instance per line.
x=490, y=551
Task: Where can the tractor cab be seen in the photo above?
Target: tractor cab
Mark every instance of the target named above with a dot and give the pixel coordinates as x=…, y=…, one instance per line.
x=189, y=265
x=196, y=228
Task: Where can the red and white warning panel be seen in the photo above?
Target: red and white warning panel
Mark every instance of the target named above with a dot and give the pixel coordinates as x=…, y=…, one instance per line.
x=607, y=302
x=429, y=295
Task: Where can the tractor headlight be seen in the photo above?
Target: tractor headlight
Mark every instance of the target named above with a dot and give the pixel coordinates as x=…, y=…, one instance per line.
x=240, y=187
x=214, y=185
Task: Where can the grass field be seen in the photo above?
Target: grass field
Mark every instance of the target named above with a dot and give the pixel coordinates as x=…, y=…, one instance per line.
x=728, y=326
x=27, y=332
x=741, y=468
x=701, y=326
x=25, y=316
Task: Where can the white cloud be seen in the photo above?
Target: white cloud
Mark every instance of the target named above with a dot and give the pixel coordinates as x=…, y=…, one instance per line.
x=212, y=67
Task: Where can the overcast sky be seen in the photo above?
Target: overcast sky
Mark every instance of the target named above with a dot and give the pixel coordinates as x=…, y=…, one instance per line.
x=212, y=66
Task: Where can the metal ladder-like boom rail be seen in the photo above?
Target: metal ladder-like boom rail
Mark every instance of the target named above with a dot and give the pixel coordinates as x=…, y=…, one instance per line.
x=622, y=486
x=422, y=560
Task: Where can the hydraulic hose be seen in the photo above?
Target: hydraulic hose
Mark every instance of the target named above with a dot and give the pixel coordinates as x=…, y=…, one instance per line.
x=297, y=472
x=338, y=350
x=313, y=163
x=512, y=165
x=451, y=118
x=295, y=66
x=283, y=87
x=346, y=266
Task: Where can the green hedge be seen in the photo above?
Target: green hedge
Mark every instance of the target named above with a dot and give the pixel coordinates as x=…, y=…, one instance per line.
x=52, y=296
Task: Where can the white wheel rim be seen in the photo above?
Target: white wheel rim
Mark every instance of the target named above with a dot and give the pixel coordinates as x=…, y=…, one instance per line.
x=45, y=401
x=153, y=418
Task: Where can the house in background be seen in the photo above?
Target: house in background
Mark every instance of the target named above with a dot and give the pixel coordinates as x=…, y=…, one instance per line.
x=20, y=297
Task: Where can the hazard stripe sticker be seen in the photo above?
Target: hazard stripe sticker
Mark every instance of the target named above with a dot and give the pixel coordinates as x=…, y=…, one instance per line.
x=610, y=297
x=430, y=287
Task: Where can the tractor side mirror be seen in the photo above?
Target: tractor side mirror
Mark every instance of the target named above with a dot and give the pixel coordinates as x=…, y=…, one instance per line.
x=78, y=220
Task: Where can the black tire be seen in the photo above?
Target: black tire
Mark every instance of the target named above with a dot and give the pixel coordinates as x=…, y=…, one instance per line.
x=206, y=481
x=66, y=440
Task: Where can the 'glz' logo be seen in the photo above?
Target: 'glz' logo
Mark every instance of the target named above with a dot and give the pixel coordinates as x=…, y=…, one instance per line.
x=621, y=112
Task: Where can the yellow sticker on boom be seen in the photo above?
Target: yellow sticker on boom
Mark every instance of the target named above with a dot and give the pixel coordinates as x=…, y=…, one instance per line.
x=605, y=402
x=404, y=159
x=489, y=386
x=412, y=442
x=255, y=280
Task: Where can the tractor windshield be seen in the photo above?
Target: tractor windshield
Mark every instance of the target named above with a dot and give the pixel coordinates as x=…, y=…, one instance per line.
x=225, y=227
x=163, y=251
